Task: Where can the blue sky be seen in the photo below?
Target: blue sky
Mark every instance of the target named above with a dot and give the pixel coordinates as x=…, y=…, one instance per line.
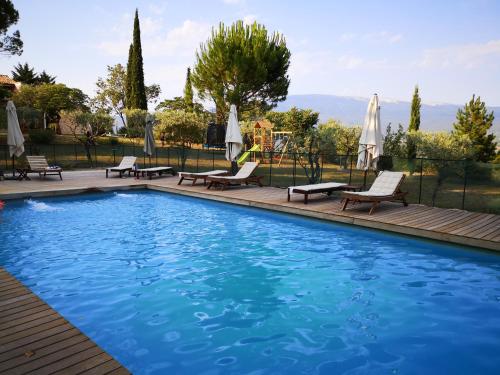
x=354, y=48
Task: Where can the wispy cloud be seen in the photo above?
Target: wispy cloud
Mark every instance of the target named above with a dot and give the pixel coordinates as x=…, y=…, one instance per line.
x=374, y=37
x=468, y=56
x=249, y=19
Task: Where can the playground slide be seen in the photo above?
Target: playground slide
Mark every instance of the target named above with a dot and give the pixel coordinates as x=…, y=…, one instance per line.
x=243, y=158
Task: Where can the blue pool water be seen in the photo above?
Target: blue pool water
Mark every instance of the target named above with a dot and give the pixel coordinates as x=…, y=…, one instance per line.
x=174, y=285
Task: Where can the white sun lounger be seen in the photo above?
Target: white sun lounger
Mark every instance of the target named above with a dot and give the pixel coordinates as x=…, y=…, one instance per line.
x=325, y=187
x=244, y=175
x=200, y=176
x=126, y=165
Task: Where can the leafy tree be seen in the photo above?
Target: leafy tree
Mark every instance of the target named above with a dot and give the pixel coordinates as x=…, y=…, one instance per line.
x=25, y=74
x=444, y=151
x=414, y=122
x=137, y=95
x=152, y=93
x=188, y=92
x=242, y=65
x=43, y=77
x=346, y=138
x=474, y=121
x=9, y=44
x=299, y=121
x=179, y=104
x=182, y=128
x=111, y=92
x=395, y=142
x=136, y=122
x=51, y=99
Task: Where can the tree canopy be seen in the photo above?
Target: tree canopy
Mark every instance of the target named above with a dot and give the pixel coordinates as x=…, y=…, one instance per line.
x=474, y=121
x=414, y=122
x=296, y=120
x=9, y=44
x=242, y=65
x=24, y=73
x=188, y=92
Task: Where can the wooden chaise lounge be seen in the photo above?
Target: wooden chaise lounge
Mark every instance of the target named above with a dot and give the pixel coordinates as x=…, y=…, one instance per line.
x=126, y=165
x=38, y=164
x=386, y=187
x=200, y=176
x=153, y=171
x=325, y=187
x=245, y=175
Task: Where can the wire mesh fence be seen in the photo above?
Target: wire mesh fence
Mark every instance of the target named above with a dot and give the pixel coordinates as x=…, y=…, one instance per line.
x=461, y=184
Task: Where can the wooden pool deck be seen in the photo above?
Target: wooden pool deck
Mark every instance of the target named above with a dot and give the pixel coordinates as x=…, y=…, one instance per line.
x=35, y=339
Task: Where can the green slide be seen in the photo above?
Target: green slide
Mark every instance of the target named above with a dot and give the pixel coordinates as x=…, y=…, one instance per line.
x=243, y=158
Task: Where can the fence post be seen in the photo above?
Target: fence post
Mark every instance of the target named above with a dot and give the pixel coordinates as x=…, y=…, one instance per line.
x=114, y=156
x=321, y=171
x=294, y=170
x=197, y=159
x=465, y=184
x=271, y=167
x=156, y=156
x=420, y=183
x=54, y=152
x=168, y=156
x=95, y=155
x=350, y=170
x=213, y=159
x=76, y=154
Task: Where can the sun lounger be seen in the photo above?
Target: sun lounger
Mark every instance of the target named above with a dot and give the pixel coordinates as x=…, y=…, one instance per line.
x=126, y=165
x=386, y=187
x=150, y=172
x=245, y=175
x=38, y=164
x=325, y=187
x=200, y=176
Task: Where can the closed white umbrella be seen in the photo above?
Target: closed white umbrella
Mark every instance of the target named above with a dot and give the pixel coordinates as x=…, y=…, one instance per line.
x=371, y=144
x=234, y=141
x=15, y=138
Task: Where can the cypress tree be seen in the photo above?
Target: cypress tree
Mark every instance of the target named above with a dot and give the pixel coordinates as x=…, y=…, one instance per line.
x=475, y=121
x=414, y=122
x=188, y=92
x=130, y=77
x=138, y=90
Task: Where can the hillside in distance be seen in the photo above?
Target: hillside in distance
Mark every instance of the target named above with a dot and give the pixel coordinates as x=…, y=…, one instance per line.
x=352, y=110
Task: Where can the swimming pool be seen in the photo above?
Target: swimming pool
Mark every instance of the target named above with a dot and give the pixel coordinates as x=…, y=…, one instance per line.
x=177, y=285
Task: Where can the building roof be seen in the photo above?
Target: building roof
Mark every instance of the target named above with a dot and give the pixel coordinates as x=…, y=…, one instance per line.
x=6, y=80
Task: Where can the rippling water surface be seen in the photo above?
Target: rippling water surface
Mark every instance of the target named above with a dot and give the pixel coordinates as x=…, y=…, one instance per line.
x=174, y=285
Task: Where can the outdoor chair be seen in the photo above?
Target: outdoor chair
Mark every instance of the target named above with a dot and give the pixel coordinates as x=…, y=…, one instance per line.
x=325, y=187
x=153, y=171
x=200, y=176
x=386, y=187
x=38, y=164
x=245, y=175
x=126, y=165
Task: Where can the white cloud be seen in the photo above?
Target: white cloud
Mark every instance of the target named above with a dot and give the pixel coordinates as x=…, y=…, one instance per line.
x=157, y=9
x=349, y=62
x=468, y=56
x=249, y=19
x=234, y=2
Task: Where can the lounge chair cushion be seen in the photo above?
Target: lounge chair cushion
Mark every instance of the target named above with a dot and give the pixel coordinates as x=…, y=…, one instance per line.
x=385, y=184
x=203, y=174
x=324, y=185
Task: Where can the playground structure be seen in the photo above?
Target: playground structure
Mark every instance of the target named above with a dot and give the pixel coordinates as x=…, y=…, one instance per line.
x=268, y=142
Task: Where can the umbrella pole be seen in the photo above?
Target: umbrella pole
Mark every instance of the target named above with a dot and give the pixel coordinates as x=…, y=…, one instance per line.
x=13, y=170
x=364, y=179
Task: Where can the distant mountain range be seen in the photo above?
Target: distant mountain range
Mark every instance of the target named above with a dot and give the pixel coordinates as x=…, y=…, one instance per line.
x=352, y=110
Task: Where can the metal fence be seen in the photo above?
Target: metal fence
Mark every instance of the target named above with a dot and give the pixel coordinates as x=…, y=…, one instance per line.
x=461, y=184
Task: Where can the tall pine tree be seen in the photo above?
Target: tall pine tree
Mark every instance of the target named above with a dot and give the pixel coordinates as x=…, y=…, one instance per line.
x=188, y=92
x=129, y=77
x=475, y=121
x=135, y=72
x=414, y=122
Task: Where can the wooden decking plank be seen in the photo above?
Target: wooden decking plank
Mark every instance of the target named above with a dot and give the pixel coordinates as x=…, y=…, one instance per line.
x=103, y=368
x=493, y=229
x=33, y=347
x=4, y=340
x=6, y=304
x=58, y=360
x=77, y=356
x=427, y=222
x=418, y=217
x=483, y=220
x=24, y=312
x=467, y=221
x=86, y=365
x=20, y=309
x=5, y=285
x=445, y=220
x=6, y=333
x=27, y=340
x=118, y=371
x=23, y=320
x=492, y=236
x=37, y=353
x=480, y=229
